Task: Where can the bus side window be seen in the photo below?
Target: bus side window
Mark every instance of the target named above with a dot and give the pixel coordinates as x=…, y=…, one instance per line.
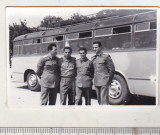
x=120, y=39
x=20, y=49
x=103, y=32
x=59, y=38
x=18, y=42
x=142, y=26
x=72, y=36
x=145, y=37
x=15, y=50
x=37, y=41
x=122, y=29
x=31, y=49
x=85, y=34
x=48, y=39
x=153, y=25
x=28, y=41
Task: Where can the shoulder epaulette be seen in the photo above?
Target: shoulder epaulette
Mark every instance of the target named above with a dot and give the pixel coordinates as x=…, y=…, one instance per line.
x=105, y=55
x=45, y=57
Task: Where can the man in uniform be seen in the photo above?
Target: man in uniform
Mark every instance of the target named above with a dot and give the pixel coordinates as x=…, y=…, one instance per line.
x=48, y=72
x=84, y=78
x=68, y=73
x=103, y=73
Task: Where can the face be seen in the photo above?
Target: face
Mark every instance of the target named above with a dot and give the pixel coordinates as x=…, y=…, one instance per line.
x=53, y=52
x=82, y=54
x=96, y=48
x=67, y=53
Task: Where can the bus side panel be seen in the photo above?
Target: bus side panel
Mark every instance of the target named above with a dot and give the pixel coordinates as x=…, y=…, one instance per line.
x=142, y=79
x=142, y=87
x=21, y=64
x=139, y=70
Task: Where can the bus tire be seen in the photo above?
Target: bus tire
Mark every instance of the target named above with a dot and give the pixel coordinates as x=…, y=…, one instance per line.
x=32, y=81
x=118, y=91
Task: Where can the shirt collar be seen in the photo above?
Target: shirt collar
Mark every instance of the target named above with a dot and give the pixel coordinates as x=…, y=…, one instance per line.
x=99, y=54
x=84, y=59
x=50, y=56
x=67, y=59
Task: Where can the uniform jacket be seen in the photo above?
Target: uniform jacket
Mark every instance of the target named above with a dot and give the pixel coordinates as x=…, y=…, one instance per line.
x=84, y=73
x=68, y=67
x=103, y=69
x=48, y=71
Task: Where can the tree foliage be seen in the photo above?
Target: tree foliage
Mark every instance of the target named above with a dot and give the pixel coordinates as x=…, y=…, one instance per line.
x=77, y=18
x=17, y=30
x=51, y=21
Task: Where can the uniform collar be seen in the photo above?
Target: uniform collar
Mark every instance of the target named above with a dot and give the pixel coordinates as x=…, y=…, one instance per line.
x=84, y=59
x=99, y=54
x=67, y=59
x=50, y=56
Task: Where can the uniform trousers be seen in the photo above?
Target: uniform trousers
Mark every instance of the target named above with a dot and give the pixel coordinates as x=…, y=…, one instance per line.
x=102, y=94
x=67, y=88
x=48, y=94
x=87, y=94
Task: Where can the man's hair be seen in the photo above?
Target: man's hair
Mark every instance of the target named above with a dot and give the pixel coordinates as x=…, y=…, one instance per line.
x=83, y=49
x=67, y=47
x=50, y=46
x=97, y=42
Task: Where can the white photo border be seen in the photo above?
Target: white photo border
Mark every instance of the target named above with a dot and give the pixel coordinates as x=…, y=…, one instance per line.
x=118, y=116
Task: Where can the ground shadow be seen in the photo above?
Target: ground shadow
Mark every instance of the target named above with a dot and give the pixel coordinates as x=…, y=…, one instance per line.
x=142, y=100
x=25, y=87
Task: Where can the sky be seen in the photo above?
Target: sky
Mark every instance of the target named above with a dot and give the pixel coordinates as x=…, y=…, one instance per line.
x=34, y=15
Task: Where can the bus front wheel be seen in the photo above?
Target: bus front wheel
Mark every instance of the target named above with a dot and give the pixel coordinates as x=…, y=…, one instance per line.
x=32, y=82
x=118, y=91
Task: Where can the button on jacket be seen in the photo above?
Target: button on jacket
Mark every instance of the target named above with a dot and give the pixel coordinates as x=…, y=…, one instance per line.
x=48, y=71
x=103, y=69
x=84, y=73
x=68, y=67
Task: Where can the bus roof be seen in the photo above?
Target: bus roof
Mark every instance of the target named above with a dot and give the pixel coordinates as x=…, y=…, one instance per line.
x=106, y=22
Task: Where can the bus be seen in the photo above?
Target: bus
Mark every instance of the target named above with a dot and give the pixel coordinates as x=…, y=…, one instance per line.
x=130, y=40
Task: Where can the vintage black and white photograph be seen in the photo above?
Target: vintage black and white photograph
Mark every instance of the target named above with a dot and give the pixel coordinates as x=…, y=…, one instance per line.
x=82, y=56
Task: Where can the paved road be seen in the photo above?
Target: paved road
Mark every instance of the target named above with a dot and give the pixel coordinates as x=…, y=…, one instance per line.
x=20, y=96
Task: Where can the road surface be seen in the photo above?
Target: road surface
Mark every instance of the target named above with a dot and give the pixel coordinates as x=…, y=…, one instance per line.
x=20, y=96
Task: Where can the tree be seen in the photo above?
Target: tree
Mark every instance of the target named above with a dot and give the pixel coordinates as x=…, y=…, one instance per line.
x=51, y=21
x=17, y=30
x=77, y=18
